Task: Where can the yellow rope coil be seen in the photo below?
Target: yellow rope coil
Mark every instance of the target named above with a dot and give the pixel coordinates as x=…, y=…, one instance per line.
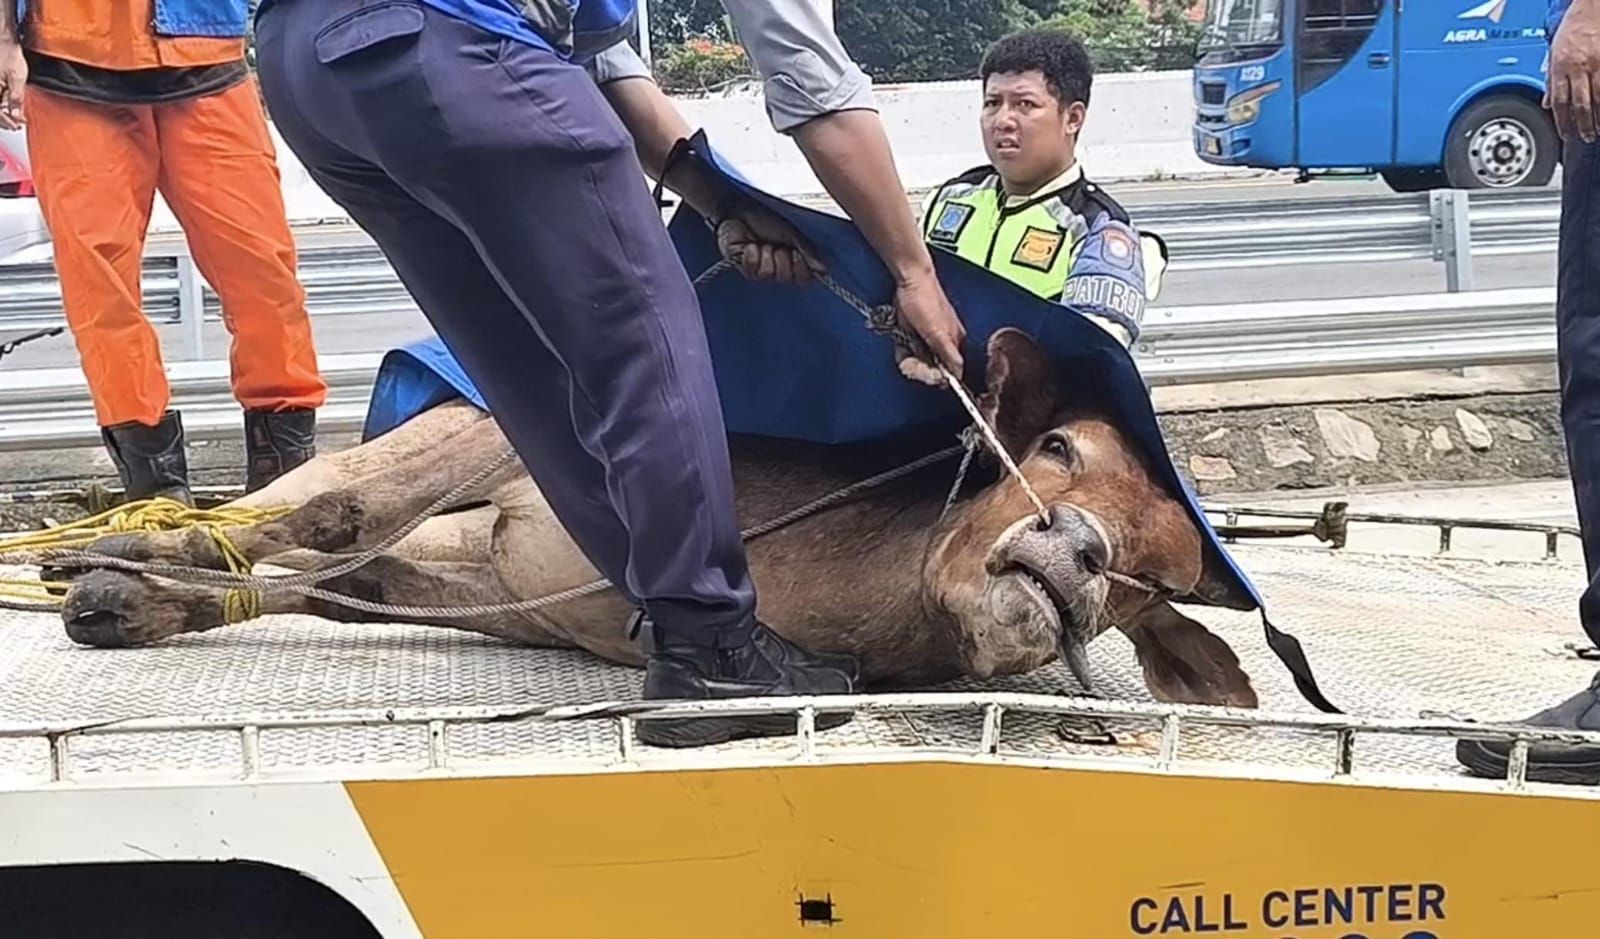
x=149, y=515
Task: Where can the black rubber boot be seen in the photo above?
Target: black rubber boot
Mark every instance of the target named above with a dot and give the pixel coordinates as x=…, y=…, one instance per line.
x=276, y=442
x=767, y=665
x=1575, y=764
x=151, y=461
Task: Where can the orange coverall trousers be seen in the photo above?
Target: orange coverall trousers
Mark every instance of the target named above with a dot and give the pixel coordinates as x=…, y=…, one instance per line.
x=97, y=168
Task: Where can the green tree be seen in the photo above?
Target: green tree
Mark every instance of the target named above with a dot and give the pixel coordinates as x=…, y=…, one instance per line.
x=1175, y=36
x=926, y=40
x=1121, y=37
x=1041, y=9
x=674, y=22
x=1115, y=32
x=932, y=40
x=700, y=65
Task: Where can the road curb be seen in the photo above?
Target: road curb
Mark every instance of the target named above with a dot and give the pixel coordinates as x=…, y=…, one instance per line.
x=1485, y=438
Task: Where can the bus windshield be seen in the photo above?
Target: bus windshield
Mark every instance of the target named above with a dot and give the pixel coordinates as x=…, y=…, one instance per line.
x=1234, y=23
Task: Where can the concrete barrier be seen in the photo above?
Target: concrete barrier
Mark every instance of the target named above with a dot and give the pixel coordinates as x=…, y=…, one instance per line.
x=1138, y=128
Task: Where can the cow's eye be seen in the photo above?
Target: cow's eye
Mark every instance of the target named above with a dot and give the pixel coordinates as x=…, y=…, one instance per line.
x=1057, y=445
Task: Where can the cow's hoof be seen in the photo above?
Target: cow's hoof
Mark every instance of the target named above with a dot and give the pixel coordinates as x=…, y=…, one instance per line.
x=180, y=548
x=112, y=610
x=99, y=628
x=189, y=547
x=58, y=575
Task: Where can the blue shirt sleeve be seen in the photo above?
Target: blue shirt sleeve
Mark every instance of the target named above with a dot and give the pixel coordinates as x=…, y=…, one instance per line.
x=1552, y=20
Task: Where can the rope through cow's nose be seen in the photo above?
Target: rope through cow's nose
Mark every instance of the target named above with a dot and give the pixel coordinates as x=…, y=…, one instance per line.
x=994, y=444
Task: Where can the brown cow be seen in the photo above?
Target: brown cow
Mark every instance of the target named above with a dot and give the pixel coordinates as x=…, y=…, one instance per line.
x=984, y=591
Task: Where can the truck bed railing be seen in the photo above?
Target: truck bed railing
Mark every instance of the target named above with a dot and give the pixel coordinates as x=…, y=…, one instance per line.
x=992, y=709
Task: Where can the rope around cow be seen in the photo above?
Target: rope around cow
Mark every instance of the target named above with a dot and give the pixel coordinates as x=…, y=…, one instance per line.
x=40, y=595
x=243, y=600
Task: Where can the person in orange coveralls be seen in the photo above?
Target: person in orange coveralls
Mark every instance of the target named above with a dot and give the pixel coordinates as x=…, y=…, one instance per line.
x=125, y=97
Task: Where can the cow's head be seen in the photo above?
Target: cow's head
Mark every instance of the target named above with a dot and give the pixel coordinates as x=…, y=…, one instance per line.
x=1017, y=592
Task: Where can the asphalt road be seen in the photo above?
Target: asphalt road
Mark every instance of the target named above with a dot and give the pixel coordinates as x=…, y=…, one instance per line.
x=356, y=333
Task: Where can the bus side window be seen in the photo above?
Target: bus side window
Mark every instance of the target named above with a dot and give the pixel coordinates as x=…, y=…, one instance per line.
x=1330, y=34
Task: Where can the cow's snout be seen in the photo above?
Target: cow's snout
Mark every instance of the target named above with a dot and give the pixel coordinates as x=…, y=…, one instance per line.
x=1068, y=549
x=1074, y=527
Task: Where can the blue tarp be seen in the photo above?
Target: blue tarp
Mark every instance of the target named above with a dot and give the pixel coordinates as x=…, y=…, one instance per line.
x=413, y=379
x=799, y=363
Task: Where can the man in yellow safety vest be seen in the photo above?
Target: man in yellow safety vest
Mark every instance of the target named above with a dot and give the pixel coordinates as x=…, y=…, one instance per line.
x=1030, y=215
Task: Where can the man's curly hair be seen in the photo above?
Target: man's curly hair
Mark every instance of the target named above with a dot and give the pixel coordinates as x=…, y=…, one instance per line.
x=1058, y=55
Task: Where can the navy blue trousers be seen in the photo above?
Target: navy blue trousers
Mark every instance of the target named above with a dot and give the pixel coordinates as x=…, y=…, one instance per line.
x=1578, y=350
x=509, y=199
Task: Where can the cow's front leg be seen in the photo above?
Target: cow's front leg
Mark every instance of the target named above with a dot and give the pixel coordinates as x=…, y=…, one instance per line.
x=349, y=518
x=111, y=609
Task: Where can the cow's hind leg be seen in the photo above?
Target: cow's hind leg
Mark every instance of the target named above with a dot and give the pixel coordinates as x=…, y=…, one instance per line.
x=113, y=609
x=348, y=518
x=347, y=468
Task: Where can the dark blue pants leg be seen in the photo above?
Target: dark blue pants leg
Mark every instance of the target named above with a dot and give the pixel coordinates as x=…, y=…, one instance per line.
x=419, y=243
x=1578, y=351
x=507, y=195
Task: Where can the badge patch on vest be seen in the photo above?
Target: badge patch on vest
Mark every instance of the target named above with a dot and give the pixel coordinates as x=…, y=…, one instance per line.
x=1119, y=247
x=952, y=219
x=1038, y=248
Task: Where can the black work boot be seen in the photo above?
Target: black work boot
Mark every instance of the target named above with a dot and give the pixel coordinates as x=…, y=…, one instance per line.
x=1576, y=764
x=778, y=649
x=275, y=442
x=151, y=461
x=767, y=665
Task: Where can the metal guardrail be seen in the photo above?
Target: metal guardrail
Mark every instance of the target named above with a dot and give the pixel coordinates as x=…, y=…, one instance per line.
x=49, y=408
x=1450, y=226
x=1328, y=337
x=343, y=271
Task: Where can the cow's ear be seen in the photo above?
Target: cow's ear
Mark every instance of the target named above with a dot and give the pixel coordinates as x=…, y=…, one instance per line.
x=1020, y=402
x=1185, y=663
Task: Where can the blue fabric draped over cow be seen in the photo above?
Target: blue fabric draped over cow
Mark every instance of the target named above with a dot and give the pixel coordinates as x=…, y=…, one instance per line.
x=799, y=363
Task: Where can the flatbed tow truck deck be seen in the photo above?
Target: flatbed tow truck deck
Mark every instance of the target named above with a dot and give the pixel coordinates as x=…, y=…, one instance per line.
x=512, y=774
x=1414, y=639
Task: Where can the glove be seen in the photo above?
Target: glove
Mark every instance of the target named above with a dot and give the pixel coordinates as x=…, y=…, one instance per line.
x=1107, y=280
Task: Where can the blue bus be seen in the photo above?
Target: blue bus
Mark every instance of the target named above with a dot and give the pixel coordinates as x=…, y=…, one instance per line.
x=1427, y=93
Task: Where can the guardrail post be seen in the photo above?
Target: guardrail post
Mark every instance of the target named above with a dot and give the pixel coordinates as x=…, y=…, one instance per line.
x=1452, y=236
x=192, y=306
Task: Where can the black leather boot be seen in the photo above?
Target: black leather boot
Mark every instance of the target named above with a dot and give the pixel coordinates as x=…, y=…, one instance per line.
x=1571, y=763
x=778, y=649
x=275, y=442
x=766, y=665
x=151, y=461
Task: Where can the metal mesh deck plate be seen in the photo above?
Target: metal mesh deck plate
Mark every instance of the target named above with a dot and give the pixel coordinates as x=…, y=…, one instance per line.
x=1389, y=637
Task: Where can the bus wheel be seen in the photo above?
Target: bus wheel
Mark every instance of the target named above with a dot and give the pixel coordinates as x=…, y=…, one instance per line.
x=1500, y=143
x=1413, y=178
